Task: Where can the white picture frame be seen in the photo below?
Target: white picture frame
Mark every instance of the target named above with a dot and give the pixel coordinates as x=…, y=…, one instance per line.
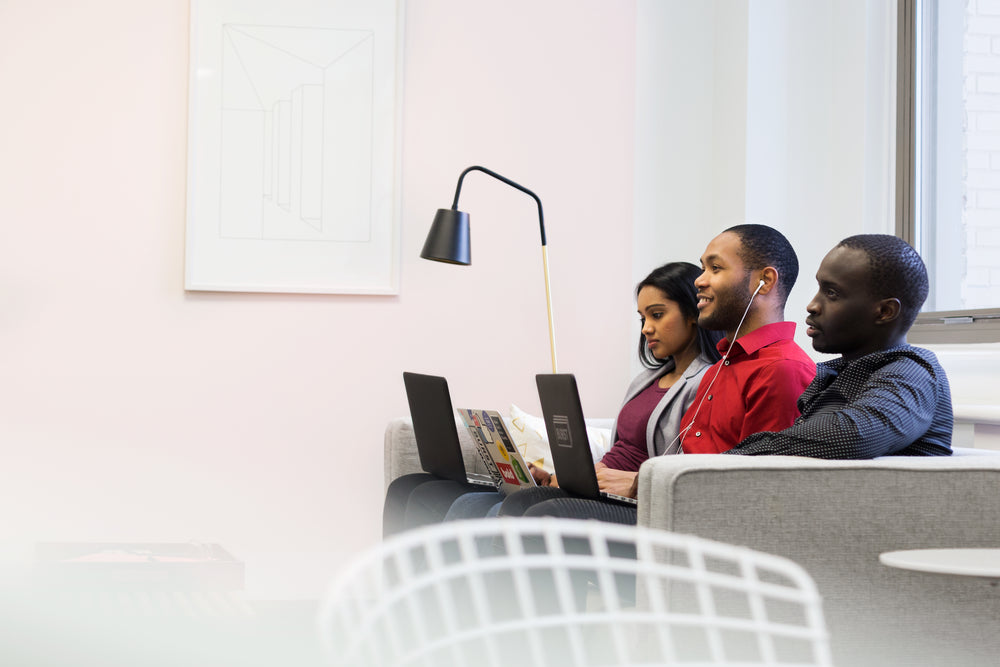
x=293, y=146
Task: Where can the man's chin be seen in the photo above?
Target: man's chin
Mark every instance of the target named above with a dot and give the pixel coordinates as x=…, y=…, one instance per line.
x=707, y=321
x=820, y=346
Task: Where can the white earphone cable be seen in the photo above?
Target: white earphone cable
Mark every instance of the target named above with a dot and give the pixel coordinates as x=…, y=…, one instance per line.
x=721, y=363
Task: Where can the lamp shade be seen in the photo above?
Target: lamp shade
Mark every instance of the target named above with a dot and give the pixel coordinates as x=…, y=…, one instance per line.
x=448, y=239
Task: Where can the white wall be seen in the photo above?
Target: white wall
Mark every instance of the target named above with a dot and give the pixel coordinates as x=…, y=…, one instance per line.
x=133, y=411
x=761, y=111
x=690, y=144
x=690, y=126
x=806, y=129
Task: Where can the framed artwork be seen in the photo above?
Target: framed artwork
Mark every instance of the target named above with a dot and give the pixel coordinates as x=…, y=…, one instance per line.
x=293, y=123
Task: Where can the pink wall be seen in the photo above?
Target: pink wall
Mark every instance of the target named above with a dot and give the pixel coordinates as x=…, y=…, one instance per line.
x=131, y=410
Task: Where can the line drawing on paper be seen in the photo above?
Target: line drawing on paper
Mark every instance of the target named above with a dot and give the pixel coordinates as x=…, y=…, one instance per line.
x=297, y=112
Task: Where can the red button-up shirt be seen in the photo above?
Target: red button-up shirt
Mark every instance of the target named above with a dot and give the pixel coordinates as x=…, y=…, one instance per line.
x=755, y=389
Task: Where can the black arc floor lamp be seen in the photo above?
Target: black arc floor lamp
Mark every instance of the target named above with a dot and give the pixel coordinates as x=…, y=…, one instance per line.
x=448, y=241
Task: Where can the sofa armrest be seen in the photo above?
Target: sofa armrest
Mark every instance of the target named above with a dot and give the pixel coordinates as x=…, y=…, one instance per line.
x=400, y=450
x=834, y=518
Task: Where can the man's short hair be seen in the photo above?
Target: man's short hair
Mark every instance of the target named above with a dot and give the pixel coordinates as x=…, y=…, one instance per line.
x=897, y=272
x=765, y=246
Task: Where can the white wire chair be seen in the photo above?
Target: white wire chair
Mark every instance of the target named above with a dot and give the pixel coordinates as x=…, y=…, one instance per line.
x=547, y=592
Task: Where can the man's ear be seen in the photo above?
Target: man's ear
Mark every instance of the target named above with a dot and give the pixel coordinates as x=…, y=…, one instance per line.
x=770, y=277
x=887, y=311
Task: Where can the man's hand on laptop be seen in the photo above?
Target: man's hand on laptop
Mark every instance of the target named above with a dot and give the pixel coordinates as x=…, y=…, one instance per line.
x=542, y=478
x=618, y=482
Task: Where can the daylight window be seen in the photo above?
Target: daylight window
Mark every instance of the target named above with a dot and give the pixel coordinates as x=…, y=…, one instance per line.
x=950, y=152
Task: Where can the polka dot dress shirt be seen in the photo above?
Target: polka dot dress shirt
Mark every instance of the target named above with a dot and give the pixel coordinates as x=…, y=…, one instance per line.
x=892, y=402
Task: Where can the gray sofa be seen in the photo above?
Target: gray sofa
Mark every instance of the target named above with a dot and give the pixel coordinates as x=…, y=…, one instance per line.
x=835, y=518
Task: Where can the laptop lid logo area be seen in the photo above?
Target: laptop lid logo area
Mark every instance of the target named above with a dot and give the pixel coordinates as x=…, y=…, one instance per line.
x=564, y=436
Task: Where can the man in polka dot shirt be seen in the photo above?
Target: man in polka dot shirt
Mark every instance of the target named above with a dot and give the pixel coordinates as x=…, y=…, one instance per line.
x=882, y=396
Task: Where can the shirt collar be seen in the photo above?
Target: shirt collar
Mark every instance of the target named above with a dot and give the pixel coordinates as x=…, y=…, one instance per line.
x=760, y=337
x=839, y=364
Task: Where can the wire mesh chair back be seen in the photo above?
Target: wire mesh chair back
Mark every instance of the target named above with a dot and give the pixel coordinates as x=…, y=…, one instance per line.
x=551, y=592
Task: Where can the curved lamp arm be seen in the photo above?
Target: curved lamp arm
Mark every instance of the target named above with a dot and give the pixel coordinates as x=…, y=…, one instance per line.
x=458, y=191
x=448, y=241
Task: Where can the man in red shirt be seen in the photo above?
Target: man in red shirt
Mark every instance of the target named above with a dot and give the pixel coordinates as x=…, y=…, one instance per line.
x=748, y=271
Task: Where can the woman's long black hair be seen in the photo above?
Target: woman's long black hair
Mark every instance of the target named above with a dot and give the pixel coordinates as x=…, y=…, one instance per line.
x=676, y=281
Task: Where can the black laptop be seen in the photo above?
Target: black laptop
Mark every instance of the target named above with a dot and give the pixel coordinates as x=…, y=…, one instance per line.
x=568, y=439
x=434, y=429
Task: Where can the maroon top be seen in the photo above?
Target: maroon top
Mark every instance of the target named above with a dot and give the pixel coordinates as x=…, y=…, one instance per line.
x=630, y=448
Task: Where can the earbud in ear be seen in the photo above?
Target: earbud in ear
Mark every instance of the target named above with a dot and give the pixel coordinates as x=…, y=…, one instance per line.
x=760, y=284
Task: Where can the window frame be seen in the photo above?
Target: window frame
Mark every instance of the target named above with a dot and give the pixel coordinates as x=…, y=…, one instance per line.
x=953, y=326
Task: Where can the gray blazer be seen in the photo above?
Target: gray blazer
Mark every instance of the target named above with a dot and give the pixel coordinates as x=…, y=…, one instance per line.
x=665, y=421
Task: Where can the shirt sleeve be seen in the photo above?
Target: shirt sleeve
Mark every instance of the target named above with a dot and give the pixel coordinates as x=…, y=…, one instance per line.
x=771, y=401
x=892, y=409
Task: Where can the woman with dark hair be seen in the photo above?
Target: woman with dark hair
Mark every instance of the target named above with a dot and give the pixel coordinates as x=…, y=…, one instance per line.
x=676, y=353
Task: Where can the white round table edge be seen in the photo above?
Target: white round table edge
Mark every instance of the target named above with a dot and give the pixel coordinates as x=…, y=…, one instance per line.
x=963, y=562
